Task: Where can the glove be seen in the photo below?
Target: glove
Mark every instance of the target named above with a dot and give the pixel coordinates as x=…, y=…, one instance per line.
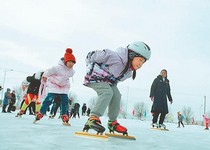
x=152, y=98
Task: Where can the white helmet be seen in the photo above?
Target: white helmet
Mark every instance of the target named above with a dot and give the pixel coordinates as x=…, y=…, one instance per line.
x=140, y=48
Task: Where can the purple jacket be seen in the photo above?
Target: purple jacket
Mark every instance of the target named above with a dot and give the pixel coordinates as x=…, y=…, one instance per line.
x=107, y=66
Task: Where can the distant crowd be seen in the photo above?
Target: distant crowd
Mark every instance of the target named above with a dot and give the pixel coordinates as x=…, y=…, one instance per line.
x=9, y=105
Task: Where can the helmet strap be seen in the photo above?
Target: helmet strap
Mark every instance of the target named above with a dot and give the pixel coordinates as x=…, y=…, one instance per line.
x=134, y=74
x=132, y=54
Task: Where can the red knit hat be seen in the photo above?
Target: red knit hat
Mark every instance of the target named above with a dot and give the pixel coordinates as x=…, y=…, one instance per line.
x=68, y=56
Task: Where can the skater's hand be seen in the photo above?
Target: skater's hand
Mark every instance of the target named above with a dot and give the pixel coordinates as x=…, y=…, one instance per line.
x=152, y=98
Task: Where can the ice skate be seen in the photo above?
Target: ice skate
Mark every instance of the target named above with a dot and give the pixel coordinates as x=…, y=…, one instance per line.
x=115, y=126
x=65, y=119
x=95, y=124
x=20, y=113
x=162, y=126
x=51, y=116
x=155, y=125
x=38, y=117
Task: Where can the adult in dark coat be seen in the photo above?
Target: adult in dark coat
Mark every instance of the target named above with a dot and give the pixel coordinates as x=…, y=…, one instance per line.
x=84, y=108
x=76, y=110
x=159, y=92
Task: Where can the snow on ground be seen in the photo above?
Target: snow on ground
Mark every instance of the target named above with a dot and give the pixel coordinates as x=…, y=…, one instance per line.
x=22, y=134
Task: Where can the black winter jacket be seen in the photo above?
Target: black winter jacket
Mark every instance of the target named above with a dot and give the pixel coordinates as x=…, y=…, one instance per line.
x=34, y=85
x=160, y=90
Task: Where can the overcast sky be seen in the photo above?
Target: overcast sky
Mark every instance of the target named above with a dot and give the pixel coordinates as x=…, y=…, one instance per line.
x=34, y=35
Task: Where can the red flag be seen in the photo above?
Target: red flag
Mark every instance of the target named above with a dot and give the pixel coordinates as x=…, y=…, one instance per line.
x=133, y=112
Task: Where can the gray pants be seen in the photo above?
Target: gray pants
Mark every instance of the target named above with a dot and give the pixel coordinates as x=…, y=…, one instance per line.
x=108, y=96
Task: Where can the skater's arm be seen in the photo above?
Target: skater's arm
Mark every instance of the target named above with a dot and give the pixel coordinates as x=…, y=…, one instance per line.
x=50, y=72
x=169, y=93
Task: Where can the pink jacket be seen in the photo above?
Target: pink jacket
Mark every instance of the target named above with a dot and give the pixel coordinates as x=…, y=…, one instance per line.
x=206, y=120
x=58, y=78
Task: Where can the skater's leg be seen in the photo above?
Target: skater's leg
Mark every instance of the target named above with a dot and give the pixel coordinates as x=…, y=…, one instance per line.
x=178, y=124
x=9, y=107
x=52, y=108
x=4, y=108
x=162, y=117
x=22, y=105
x=56, y=108
x=207, y=125
x=64, y=108
x=26, y=103
x=105, y=94
x=155, y=117
x=114, y=105
x=30, y=108
x=64, y=103
x=34, y=107
x=182, y=123
x=46, y=103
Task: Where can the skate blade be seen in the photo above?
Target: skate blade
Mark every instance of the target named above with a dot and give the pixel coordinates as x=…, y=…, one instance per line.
x=161, y=129
x=66, y=124
x=35, y=121
x=121, y=136
x=91, y=135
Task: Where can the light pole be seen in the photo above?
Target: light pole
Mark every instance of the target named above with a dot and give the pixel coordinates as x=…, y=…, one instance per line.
x=204, y=109
x=4, y=78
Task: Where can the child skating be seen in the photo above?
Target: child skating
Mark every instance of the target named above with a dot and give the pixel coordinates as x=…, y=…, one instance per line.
x=32, y=93
x=105, y=68
x=180, y=119
x=57, y=81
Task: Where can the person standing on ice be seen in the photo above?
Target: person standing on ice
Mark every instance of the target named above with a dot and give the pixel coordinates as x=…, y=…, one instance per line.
x=206, y=121
x=105, y=68
x=7, y=99
x=159, y=92
x=180, y=119
x=57, y=82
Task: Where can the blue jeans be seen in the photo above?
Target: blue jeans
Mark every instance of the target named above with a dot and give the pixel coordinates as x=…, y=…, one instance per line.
x=49, y=99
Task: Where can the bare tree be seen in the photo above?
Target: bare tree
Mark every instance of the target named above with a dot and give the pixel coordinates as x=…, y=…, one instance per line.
x=139, y=110
x=123, y=111
x=187, y=113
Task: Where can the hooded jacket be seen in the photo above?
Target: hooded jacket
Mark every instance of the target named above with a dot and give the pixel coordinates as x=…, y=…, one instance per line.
x=58, y=78
x=110, y=65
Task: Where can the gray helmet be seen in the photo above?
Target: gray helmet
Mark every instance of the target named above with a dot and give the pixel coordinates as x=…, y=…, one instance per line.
x=140, y=48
